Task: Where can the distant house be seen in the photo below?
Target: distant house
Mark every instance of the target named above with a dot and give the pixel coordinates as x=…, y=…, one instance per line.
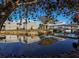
x=26, y=24
x=19, y=24
x=46, y=20
x=31, y=25
x=9, y=25
x=55, y=25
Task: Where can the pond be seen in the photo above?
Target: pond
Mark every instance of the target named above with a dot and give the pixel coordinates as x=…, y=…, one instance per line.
x=27, y=46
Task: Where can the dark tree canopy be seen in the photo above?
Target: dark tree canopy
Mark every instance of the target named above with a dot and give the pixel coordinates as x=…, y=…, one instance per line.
x=67, y=7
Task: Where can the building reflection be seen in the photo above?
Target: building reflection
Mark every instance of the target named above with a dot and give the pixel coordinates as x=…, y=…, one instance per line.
x=19, y=38
x=47, y=40
x=9, y=39
x=28, y=39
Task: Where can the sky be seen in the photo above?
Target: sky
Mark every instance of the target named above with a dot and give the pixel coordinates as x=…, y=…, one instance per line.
x=19, y=13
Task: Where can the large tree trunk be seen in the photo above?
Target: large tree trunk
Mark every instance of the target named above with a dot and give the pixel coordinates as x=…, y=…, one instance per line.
x=5, y=10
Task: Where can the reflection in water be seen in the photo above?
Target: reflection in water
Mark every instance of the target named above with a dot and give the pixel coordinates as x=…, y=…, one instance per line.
x=33, y=39
x=31, y=48
x=19, y=38
x=43, y=40
x=46, y=41
x=28, y=39
x=11, y=38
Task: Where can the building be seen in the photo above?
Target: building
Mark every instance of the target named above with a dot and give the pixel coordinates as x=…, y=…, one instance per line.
x=20, y=24
x=31, y=25
x=26, y=24
x=9, y=25
x=46, y=20
x=54, y=25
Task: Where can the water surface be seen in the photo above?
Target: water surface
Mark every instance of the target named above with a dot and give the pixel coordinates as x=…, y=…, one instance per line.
x=27, y=46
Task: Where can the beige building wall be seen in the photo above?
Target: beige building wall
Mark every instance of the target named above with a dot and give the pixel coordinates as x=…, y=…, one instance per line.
x=31, y=25
x=11, y=38
x=10, y=26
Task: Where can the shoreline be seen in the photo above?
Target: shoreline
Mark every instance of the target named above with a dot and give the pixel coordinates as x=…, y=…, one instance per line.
x=18, y=32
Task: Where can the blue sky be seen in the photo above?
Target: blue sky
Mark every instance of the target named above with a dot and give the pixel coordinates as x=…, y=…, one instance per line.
x=19, y=13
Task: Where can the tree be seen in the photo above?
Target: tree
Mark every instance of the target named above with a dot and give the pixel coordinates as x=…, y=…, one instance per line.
x=6, y=9
x=46, y=19
x=76, y=18
x=67, y=7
